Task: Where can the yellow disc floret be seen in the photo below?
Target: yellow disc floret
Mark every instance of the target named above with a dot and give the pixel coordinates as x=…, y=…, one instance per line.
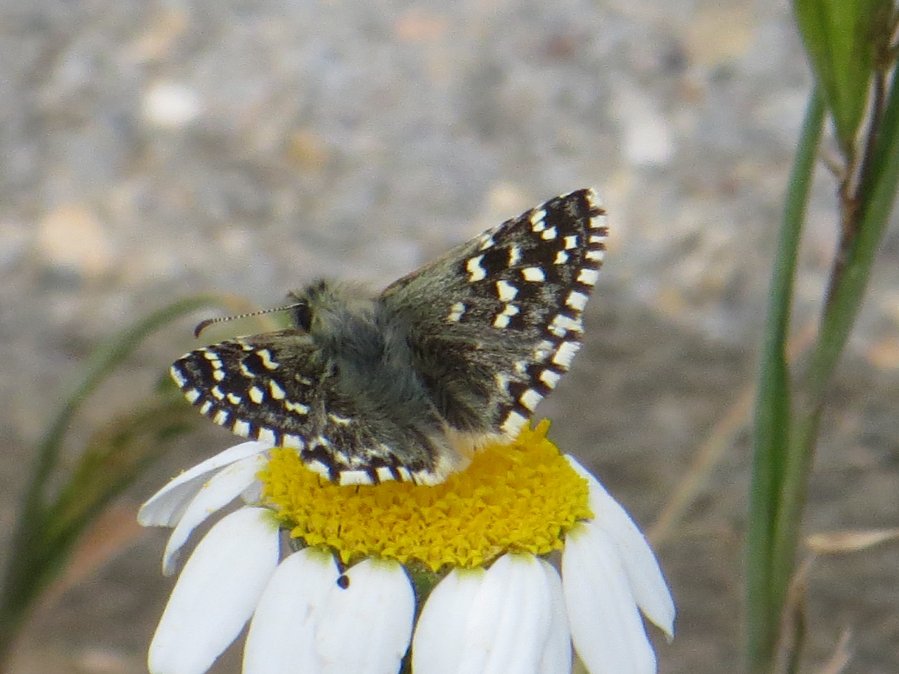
x=520, y=496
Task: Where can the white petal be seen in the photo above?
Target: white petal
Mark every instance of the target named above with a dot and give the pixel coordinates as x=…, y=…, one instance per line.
x=557, y=651
x=606, y=628
x=217, y=492
x=281, y=639
x=365, y=628
x=166, y=506
x=518, y=584
x=216, y=593
x=441, y=634
x=501, y=626
x=646, y=579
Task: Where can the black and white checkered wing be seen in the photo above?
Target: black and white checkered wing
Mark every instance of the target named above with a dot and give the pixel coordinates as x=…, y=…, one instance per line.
x=277, y=388
x=495, y=323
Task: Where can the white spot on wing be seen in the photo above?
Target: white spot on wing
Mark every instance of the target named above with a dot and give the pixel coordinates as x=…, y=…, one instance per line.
x=570, y=241
x=220, y=418
x=530, y=398
x=550, y=378
x=299, y=408
x=475, y=271
x=267, y=360
x=205, y=407
x=276, y=390
x=241, y=428
x=384, y=473
x=594, y=255
x=456, y=312
x=317, y=466
x=561, y=257
x=549, y=234
x=502, y=319
x=587, y=276
x=537, y=220
x=564, y=324
x=544, y=349
x=266, y=436
x=257, y=395
x=566, y=352
x=178, y=377
x=290, y=440
x=233, y=399
x=514, y=255
x=533, y=274
x=513, y=423
x=354, y=477
x=506, y=291
x=576, y=300
x=426, y=477
x=192, y=395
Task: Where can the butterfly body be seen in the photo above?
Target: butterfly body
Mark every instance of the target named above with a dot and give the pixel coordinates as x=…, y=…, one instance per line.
x=406, y=384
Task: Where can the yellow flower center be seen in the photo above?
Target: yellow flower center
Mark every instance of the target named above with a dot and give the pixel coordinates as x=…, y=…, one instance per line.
x=521, y=496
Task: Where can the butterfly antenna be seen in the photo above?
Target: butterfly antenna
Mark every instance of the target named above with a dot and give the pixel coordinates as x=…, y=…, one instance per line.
x=202, y=325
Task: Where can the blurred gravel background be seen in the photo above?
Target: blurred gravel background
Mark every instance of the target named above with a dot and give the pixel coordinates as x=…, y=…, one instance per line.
x=152, y=150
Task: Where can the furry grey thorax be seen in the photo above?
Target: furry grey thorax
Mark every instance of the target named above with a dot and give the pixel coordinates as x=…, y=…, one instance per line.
x=367, y=349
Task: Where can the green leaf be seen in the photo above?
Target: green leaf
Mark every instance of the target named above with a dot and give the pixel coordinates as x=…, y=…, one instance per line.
x=842, y=38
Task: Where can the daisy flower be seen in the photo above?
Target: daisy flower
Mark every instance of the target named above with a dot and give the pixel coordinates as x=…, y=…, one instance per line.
x=501, y=568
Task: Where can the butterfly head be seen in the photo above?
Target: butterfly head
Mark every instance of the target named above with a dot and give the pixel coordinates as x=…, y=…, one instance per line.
x=324, y=309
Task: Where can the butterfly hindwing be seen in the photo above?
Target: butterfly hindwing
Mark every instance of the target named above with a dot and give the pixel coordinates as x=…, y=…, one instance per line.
x=276, y=388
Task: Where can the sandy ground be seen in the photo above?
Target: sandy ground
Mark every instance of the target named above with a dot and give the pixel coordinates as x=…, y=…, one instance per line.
x=153, y=150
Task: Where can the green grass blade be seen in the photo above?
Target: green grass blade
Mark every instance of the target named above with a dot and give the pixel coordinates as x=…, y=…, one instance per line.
x=846, y=299
x=100, y=365
x=771, y=425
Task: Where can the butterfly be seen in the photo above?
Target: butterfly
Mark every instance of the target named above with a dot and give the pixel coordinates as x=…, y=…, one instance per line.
x=408, y=383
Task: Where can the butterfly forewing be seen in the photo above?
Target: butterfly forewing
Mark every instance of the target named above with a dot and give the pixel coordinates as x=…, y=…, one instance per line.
x=498, y=319
x=472, y=342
